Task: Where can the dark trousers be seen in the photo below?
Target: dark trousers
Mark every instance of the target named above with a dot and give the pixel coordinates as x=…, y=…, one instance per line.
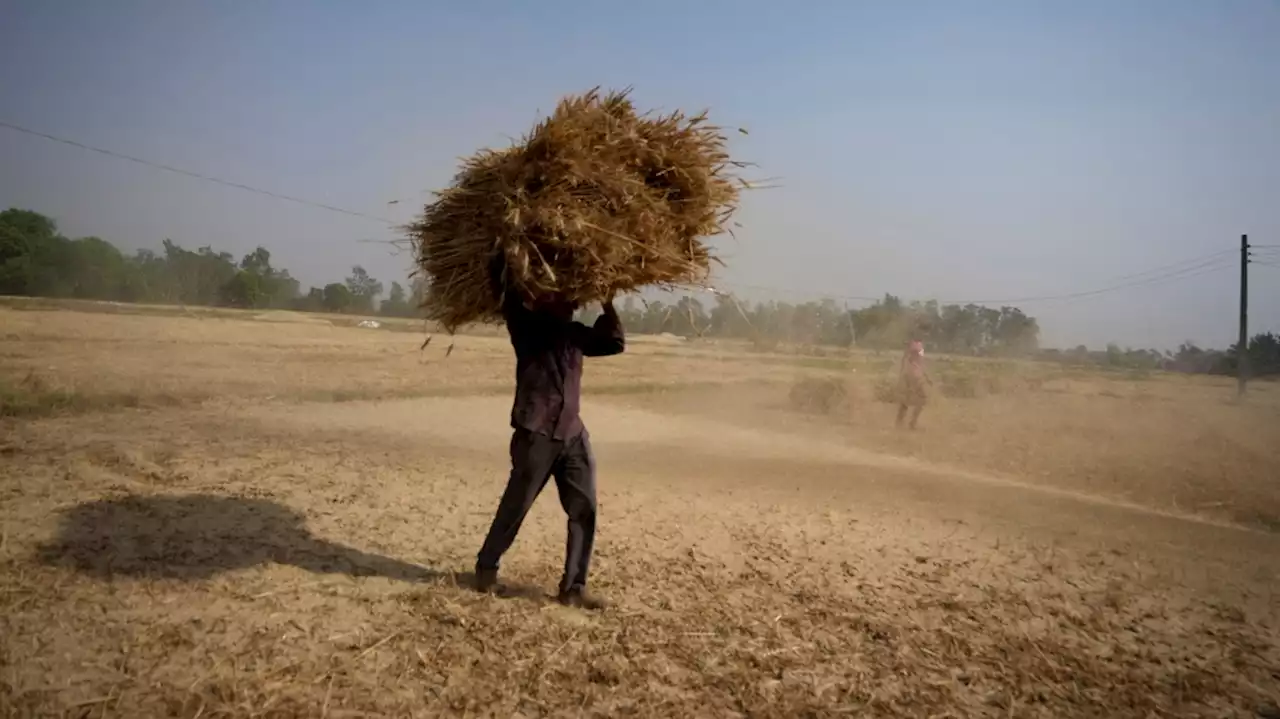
x=535, y=458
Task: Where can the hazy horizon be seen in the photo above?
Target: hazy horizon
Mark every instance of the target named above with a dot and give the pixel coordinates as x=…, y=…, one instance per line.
x=983, y=151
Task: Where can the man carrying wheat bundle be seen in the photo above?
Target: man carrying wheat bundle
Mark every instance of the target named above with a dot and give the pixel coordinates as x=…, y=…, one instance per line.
x=597, y=200
x=549, y=439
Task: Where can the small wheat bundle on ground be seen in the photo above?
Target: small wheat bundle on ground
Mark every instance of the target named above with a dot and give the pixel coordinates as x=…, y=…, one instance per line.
x=598, y=199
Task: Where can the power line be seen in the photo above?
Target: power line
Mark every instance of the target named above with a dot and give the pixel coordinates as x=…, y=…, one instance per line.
x=1184, y=269
x=196, y=175
x=1217, y=263
x=1179, y=270
x=804, y=293
x=1157, y=270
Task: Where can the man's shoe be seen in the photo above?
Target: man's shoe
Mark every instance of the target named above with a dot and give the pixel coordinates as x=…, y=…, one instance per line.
x=486, y=580
x=579, y=598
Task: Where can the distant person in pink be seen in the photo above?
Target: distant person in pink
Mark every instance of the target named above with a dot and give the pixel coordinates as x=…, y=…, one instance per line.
x=911, y=383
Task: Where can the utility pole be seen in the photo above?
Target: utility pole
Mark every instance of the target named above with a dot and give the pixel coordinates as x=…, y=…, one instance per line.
x=1242, y=347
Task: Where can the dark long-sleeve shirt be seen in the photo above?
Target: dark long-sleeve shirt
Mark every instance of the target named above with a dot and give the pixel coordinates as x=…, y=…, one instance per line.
x=549, y=353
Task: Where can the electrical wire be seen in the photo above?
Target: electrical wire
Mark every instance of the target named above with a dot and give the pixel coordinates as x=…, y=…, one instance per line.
x=1180, y=270
x=1185, y=269
x=1211, y=265
x=193, y=174
x=1156, y=270
x=801, y=293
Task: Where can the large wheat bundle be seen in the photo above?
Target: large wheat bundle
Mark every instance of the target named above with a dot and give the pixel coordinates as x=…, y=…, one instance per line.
x=597, y=199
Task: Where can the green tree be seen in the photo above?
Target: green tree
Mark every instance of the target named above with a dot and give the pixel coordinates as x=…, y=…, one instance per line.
x=313, y=301
x=1016, y=333
x=258, y=262
x=197, y=277
x=885, y=324
x=257, y=284
x=244, y=290
x=337, y=297
x=148, y=279
x=363, y=288
x=25, y=237
x=397, y=302
x=1263, y=352
x=689, y=318
x=95, y=269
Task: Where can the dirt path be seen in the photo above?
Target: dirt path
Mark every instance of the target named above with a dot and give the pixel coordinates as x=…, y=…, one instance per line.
x=641, y=435
x=676, y=453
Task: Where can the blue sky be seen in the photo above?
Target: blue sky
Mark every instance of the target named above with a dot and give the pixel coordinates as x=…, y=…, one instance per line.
x=962, y=149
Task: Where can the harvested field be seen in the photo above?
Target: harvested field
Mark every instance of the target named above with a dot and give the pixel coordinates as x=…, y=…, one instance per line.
x=218, y=516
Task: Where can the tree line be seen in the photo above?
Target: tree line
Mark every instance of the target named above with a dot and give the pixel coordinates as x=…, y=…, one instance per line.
x=886, y=324
x=37, y=260
x=1262, y=354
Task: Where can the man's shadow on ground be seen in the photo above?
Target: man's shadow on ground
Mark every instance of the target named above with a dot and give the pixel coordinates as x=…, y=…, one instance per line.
x=196, y=536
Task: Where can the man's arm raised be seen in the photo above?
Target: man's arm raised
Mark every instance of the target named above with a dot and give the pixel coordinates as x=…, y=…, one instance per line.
x=605, y=337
